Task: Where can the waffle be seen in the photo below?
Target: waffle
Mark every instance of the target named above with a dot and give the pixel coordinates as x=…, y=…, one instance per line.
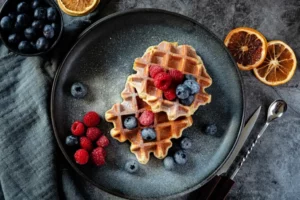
x=170, y=56
x=165, y=129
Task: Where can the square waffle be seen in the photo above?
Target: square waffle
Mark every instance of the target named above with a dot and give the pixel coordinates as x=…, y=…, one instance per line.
x=170, y=56
x=165, y=129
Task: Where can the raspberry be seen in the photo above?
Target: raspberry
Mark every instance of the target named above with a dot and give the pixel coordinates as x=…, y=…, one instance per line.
x=177, y=76
x=98, y=156
x=81, y=156
x=86, y=144
x=154, y=70
x=91, y=119
x=93, y=133
x=77, y=128
x=146, y=118
x=102, y=141
x=162, y=81
x=170, y=94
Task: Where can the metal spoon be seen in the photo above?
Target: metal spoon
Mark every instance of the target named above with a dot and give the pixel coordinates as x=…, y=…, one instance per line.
x=276, y=110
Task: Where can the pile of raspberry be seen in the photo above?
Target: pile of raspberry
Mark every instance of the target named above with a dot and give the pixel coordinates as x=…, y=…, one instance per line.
x=174, y=84
x=89, y=140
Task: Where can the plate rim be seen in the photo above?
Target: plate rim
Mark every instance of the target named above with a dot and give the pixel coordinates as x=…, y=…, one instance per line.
x=79, y=38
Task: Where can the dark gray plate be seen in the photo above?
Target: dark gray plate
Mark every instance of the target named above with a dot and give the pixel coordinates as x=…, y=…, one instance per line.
x=102, y=59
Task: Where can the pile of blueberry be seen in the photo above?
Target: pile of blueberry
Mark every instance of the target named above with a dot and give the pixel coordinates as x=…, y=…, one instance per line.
x=32, y=27
x=187, y=90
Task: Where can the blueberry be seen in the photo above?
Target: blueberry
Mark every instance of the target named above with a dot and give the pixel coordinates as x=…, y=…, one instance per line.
x=23, y=7
x=33, y=45
x=211, y=129
x=78, y=90
x=18, y=27
x=51, y=14
x=186, y=143
x=37, y=25
x=193, y=85
x=169, y=163
x=13, y=15
x=40, y=13
x=30, y=33
x=55, y=27
x=24, y=46
x=42, y=44
x=6, y=23
x=48, y=31
x=14, y=38
x=23, y=20
x=130, y=122
x=131, y=166
x=71, y=140
x=188, y=101
x=35, y=4
x=189, y=77
x=180, y=157
x=148, y=134
x=182, y=91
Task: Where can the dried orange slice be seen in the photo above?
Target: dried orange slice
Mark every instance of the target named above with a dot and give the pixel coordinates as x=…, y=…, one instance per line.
x=279, y=65
x=247, y=46
x=78, y=7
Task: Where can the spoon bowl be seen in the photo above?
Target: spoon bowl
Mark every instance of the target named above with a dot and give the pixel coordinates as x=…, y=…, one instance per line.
x=276, y=110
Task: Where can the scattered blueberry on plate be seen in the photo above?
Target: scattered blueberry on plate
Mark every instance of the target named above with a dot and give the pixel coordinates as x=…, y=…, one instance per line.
x=30, y=26
x=211, y=129
x=169, y=163
x=186, y=143
x=180, y=157
x=131, y=166
x=78, y=90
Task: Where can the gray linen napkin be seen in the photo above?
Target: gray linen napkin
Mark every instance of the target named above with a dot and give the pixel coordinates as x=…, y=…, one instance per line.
x=28, y=151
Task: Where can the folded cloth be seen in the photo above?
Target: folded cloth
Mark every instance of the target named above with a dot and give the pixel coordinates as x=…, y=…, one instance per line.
x=28, y=161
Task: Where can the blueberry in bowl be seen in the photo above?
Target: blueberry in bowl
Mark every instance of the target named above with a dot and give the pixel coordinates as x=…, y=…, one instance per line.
x=30, y=27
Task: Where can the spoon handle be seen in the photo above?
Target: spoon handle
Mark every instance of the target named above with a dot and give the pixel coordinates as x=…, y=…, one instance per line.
x=263, y=130
x=249, y=150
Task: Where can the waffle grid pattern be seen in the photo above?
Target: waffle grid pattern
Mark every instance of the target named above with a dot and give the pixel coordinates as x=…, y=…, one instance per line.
x=165, y=129
x=170, y=56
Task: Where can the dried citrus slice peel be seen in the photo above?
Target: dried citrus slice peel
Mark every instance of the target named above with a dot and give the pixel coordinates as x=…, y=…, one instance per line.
x=279, y=66
x=247, y=46
x=78, y=7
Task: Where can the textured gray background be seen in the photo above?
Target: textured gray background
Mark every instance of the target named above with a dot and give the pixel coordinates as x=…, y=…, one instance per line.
x=272, y=170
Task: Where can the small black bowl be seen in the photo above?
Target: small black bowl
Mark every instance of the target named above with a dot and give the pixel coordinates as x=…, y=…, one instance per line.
x=11, y=6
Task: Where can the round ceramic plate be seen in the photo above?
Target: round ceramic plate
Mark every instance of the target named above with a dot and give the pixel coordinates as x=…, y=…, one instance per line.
x=102, y=59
